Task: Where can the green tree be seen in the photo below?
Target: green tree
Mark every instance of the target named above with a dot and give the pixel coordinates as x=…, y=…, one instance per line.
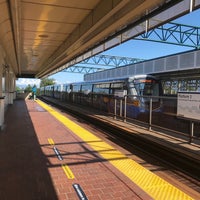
x=28, y=88
x=18, y=88
x=47, y=81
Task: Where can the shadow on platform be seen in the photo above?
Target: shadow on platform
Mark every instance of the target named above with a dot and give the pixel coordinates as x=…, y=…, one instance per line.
x=24, y=171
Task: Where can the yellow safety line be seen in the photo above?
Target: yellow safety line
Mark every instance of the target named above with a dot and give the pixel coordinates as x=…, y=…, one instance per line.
x=68, y=171
x=51, y=142
x=152, y=184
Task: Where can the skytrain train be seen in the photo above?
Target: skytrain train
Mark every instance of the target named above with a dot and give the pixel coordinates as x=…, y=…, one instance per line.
x=138, y=91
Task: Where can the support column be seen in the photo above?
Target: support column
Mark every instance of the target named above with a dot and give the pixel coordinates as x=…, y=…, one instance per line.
x=1, y=112
x=1, y=96
x=6, y=77
x=11, y=88
x=14, y=87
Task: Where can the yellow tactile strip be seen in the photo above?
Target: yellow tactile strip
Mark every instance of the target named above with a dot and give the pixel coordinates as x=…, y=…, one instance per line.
x=68, y=171
x=152, y=184
x=65, y=168
x=51, y=142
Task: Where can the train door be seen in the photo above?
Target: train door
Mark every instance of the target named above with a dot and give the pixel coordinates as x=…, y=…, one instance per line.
x=86, y=96
x=76, y=93
x=100, y=92
x=114, y=89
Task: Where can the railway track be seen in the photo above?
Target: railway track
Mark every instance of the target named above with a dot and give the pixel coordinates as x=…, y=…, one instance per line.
x=174, y=162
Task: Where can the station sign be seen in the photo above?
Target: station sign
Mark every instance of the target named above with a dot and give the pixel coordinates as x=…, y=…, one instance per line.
x=188, y=105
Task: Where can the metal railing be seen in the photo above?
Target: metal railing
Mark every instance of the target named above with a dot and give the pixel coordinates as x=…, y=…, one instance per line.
x=168, y=107
x=154, y=112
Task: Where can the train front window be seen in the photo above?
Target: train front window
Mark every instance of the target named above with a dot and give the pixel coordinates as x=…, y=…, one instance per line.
x=147, y=87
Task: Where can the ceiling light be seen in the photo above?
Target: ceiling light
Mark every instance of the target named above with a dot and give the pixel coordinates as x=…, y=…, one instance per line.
x=43, y=36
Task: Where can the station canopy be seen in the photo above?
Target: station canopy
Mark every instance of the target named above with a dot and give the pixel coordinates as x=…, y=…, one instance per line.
x=38, y=37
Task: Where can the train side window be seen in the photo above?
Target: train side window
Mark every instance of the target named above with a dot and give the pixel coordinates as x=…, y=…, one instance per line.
x=86, y=88
x=76, y=88
x=102, y=88
x=67, y=88
x=116, y=86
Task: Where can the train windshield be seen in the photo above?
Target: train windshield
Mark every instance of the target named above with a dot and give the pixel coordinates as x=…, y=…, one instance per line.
x=147, y=87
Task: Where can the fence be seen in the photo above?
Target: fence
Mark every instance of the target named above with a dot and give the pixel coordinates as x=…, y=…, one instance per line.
x=153, y=112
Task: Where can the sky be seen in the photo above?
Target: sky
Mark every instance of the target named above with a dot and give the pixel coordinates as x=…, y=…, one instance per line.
x=132, y=48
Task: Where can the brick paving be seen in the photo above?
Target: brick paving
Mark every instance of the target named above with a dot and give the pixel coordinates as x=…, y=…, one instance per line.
x=30, y=169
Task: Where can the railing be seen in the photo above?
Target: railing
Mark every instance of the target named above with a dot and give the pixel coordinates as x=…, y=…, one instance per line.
x=168, y=107
x=154, y=112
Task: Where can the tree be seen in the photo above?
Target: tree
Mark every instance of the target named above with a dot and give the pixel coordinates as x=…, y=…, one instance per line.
x=28, y=88
x=18, y=88
x=47, y=81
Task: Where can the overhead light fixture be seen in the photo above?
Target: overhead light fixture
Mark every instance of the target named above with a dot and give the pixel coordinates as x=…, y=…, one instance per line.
x=43, y=36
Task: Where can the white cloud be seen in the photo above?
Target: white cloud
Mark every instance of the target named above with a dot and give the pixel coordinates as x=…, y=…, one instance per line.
x=28, y=81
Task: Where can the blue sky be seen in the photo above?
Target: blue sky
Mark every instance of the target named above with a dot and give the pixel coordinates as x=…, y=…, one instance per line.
x=132, y=48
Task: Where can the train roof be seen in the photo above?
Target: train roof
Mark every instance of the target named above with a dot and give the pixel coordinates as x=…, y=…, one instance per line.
x=116, y=79
x=130, y=78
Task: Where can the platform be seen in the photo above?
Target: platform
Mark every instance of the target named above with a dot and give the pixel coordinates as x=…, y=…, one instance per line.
x=165, y=138
x=30, y=169
x=42, y=158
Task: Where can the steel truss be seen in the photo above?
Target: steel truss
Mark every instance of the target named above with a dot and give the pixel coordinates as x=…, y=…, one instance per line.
x=170, y=33
x=82, y=69
x=173, y=33
x=95, y=63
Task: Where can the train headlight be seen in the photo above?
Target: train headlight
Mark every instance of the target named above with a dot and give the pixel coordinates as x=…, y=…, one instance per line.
x=136, y=103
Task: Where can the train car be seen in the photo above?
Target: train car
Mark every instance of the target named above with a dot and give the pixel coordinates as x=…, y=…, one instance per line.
x=101, y=94
x=57, y=91
x=66, y=90
x=42, y=91
x=139, y=89
x=142, y=89
x=49, y=90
